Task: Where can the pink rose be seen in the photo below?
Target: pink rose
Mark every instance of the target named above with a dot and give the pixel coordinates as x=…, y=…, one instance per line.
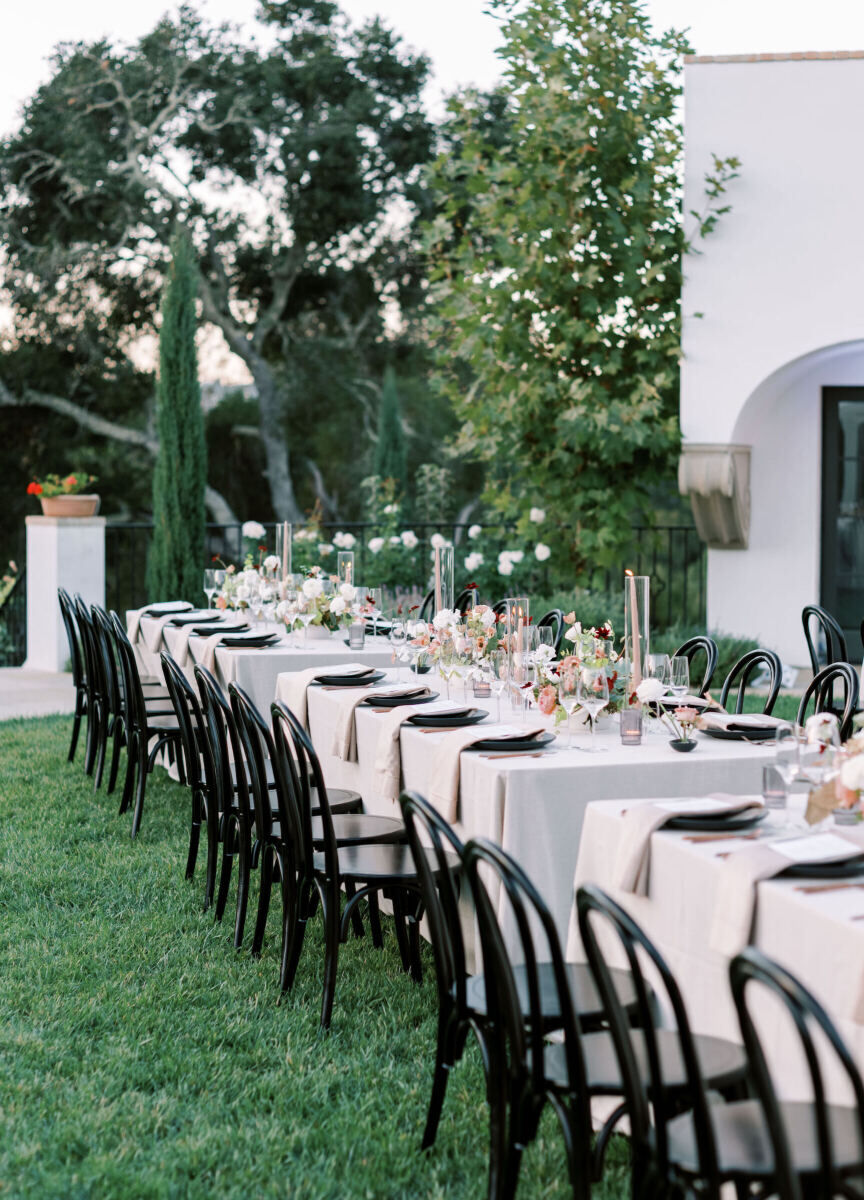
x=687, y=716
x=846, y=797
x=547, y=701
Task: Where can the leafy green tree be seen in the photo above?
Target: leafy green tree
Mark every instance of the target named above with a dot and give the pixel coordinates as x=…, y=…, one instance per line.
x=284, y=163
x=556, y=264
x=176, y=552
x=390, y=447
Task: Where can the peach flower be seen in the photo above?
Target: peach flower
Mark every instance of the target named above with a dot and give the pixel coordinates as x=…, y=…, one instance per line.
x=547, y=701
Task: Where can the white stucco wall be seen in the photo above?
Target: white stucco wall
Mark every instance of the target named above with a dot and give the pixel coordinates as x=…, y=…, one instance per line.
x=780, y=286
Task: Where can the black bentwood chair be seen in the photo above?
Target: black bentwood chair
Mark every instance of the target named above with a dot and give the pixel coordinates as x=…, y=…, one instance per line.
x=79, y=676
x=462, y=1004
x=364, y=870
x=811, y=1148
x=820, y=629
x=821, y=693
x=146, y=733
x=741, y=674
x=683, y=1140
x=690, y=650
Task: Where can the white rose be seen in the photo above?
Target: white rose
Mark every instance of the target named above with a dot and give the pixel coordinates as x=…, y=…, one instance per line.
x=852, y=773
x=267, y=594
x=284, y=609
x=253, y=530
x=271, y=562
x=437, y=540
x=445, y=619
x=473, y=561
x=650, y=690
x=409, y=539
x=250, y=578
x=376, y=544
x=242, y=593
x=325, y=547
x=312, y=588
x=488, y=618
x=474, y=530
x=537, y=515
x=390, y=509
x=347, y=591
x=505, y=566
x=337, y=606
x=515, y=556
x=541, y=551
x=395, y=541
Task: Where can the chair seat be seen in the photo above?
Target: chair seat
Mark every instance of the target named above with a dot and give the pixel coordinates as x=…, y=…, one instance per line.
x=356, y=829
x=342, y=800
x=722, y=1063
x=744, y=1145
x=382, y=864
x=586, y=1000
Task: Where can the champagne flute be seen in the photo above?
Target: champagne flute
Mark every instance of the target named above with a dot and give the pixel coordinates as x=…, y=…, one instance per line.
x=679, y=679
x=398, y=640
x=658, y=666
x=496, y=668
x=375, y=600
x=593, y=694
x=213, y=580
x=568, y=697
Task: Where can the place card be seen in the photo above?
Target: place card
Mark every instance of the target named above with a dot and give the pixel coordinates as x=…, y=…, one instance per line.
x=820, y=847
x=699, y=804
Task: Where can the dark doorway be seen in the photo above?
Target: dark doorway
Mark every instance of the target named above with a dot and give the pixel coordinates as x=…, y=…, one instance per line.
x=843, y=509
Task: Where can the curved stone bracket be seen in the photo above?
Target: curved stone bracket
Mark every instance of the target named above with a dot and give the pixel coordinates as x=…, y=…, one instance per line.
x=717, y=480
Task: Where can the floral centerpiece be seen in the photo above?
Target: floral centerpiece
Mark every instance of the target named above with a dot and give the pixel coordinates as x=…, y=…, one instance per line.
x=323, y=602
x=254, y=587
x=593, y=647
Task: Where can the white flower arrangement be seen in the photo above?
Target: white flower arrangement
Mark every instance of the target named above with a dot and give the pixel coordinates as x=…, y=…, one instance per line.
x=376, y=544
x=344, y=541
x=253, y=530
x=473, y=560
x=410, y=539
x=474, y=531
x=437, y=541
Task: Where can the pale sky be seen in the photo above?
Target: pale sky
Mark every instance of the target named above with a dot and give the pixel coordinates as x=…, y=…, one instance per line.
x=458, y=36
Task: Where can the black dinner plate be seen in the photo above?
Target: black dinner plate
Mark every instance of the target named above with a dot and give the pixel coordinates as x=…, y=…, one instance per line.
x=350, y=680
x=718, y=824
x=849, y=868
x=396, y=701
x=495, y=744
x=449, y=720
x=740, y=735
x=237, y=641
x=670, y=703
x=199, y=617
x=227, y=628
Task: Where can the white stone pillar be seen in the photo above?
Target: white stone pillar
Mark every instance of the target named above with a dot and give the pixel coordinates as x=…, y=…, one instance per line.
x=67, y=552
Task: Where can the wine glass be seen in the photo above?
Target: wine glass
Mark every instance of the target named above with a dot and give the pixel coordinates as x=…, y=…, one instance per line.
x=568, y=697
x=214, y=577
x=398, y=638
x=375, y=599
x=496, y=669
x=679, y=679
x=658, y=666
x=593, y=695
x=446, y=660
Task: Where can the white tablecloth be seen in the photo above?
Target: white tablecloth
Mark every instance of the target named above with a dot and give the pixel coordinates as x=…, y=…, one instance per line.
x=812, y=935
x=256, y=671
x=534, y=808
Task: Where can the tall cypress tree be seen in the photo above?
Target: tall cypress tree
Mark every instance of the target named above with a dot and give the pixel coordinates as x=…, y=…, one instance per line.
x=176, y=555
x=390, y=450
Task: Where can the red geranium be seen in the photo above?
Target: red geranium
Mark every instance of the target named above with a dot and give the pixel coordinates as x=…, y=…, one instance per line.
x=34, y=489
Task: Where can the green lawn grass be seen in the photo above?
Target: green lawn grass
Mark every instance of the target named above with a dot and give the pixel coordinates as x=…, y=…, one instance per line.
x=140, y=1055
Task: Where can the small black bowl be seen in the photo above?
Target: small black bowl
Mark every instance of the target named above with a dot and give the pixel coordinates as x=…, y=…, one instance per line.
x=681, y=746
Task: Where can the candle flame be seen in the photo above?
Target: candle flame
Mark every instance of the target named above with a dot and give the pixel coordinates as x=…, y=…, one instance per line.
x=627, y=571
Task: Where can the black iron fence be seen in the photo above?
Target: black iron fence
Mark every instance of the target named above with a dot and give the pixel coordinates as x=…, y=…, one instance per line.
x=672, y=555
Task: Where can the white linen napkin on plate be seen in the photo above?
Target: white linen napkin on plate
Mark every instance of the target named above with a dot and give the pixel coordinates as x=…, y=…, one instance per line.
x=735, y=905
x=741, y=722
x=184, y=632
x=444, y=784
x=152, y=631
x=633, y=860
x=291, y=685
x=388, y=759
x=344, y=744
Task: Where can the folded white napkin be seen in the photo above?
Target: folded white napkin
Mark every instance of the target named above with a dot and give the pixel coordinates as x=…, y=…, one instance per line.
x=388, y=759
x=152, y=631
x=133, y=618
x=184, y=632
x=344, y=743
x=738, y=722
x=444, y=784
x=735, y=905
x=291, y=685
x=633, y=860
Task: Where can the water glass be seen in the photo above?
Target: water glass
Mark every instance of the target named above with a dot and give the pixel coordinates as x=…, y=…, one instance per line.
x=593, y=695
x=568, y=697
x=214, y=577
x=679, y=679
x=775, y=792
x=357, y=635
x=398, y=639
x=658, y=666
x=496, y=668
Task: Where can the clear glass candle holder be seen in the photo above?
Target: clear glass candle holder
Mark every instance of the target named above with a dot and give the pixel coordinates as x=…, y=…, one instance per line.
x=631, y=727
x=357, y=636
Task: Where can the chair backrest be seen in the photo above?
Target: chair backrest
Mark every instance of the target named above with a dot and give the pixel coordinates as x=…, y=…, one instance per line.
x=426, y=828
x=466, y=600
x=751, y=968
x=193, y=731
x=499, y=608
x=91, y=656
x=225, y=745
x=642, y=1095
x=523, y=1026
x=427, y=608
x=106, y=644
x=822, y=694
x=67, y=611
x=301, y=775
x=744, y=670
x=553, y=619
x=820, y=627
x=135, y=710
x=257, y=749
x=693, y=647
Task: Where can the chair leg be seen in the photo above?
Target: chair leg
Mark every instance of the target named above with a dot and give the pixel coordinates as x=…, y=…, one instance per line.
x=139, y=791
x=212, y=863
x=229, y=839
x=264, y=887
x=194, y=837
x=129, y=779
x=244, y=872
x=101, y=751
x=356, y=919
x=401, y=933
x=292, y=947
x=91, y=740
x=115, y=755
x=375, y=920
x=76, y=730
x=331, y=956
x=496, y=1094
x=440, y=1077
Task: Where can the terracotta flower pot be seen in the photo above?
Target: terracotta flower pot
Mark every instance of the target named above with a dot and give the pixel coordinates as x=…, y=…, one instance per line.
x=81, y=505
